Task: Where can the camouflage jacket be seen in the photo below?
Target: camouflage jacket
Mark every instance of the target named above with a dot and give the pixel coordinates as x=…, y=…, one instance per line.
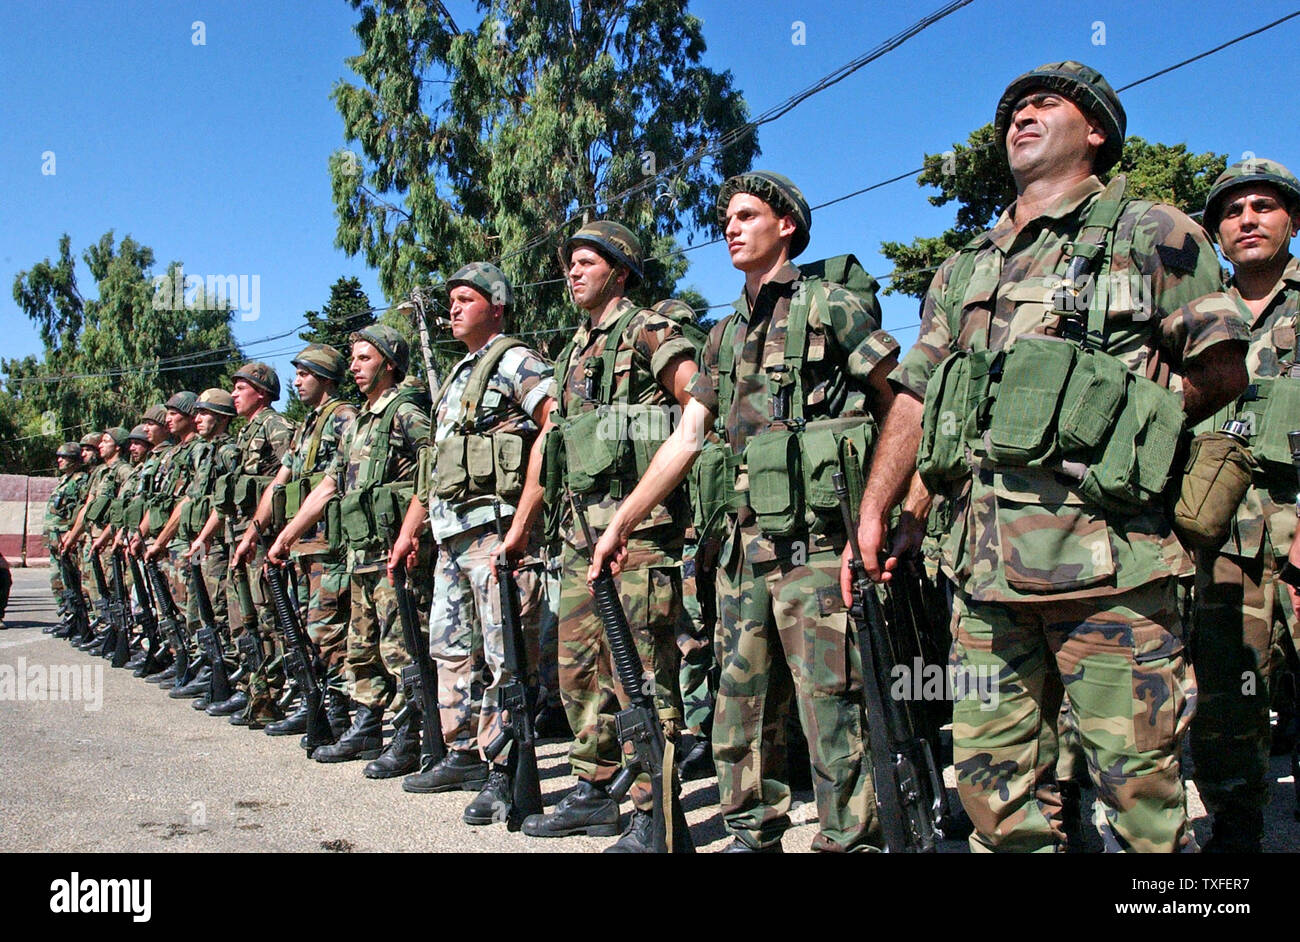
x=68, y=495
x=408, y=434
x=295, y=458
x=844, y=345
x=1023, y=534
x=127, y=491
x=172, y=476
x=522, y=380
x=262, y=443
x=211, y=458
x=106, y=482
x=1270, y=503
x=649, y=343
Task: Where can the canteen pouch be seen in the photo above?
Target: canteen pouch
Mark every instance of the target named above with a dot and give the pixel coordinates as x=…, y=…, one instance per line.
x=1216, y=476
x=358, y=518
x=451, y=476
x=772, y=459
x=509, y=454
x=712, y=483
x=1093, y=398
x=591, y=445
x=1280, y=414
x=1035, y=372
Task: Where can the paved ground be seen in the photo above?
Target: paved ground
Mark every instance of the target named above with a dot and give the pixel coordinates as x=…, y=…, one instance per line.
x=125, y=768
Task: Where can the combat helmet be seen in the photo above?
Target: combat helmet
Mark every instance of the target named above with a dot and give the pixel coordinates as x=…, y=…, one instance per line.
x=1082, y=85
x=391, y=344
x=777, y=191
x=487, y=280
x=322, y=360
x=69, y=450
x=1243, y=172
x=91, y=440
x=183, y=402
x=119, y=434
x=216, y=401
x=262, y=376
x=140, y=434
x=615, y=240
x=157, y=414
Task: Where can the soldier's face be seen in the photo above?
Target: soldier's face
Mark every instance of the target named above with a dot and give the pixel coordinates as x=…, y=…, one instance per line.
x=310, y=387
x=756, y=236
x=107, y=447
x=88, y=454
x=1049, y=133
x=1256, y=227
x=62, y=464
x=368, y=364
x=592, y=279
x=205, y=422
x=157, y=433
x=247, y=397
x=179, y=424
x=473, y=317
x=138, y=450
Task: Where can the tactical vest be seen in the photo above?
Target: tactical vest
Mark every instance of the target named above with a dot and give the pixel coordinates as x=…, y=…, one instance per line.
x=609, y=448
x=237, y=492
x=164, y=491
x=1060, y=403
x=288, y=499
x=1270, y=409
x=204, y=486
x=478, y=459
x=789, y=465
x=372, y=514
x=100, y=511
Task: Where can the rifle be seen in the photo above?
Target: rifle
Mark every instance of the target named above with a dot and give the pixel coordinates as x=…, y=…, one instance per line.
x=208, y=637
x=250, y=642
x=419, y=677
x=104, y=613
x=172, y=624
x=1290, y=576
x=148, y=622
x=300, y=660
x=75, y=599
x=516, y=701
x=638, y=724
x=121, y=613
x=908, y=802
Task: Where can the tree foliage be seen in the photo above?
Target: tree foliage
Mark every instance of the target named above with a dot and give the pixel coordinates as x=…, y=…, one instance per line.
x=975, y=175
x=110, y=353
x=480, y=144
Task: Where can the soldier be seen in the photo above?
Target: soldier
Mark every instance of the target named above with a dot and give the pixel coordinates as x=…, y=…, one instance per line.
x=1242, y=616
x=374, y=473
x=320, y=553
x=492, y=404
x=796, y=350
x=625, y=362
x=261, y=443
x=138, y=448
x=1062, y=552
x=64, y=500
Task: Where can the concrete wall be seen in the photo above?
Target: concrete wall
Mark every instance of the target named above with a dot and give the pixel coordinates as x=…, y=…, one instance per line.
x=22, y=518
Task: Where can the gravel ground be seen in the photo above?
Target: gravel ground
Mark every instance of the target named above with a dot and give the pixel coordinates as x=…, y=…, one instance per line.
x=125, y=769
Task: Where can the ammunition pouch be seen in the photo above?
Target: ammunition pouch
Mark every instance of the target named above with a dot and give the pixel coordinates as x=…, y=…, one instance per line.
x=480, y=464
x=371, y=516
x=1046, y=402
x=610, y=447
x=236, y=494
x=133, y=513
x=1216, y=475
x=98, y=511
x=1274, y=406
x=194, y=515
x=287, y=501
x=712, y=488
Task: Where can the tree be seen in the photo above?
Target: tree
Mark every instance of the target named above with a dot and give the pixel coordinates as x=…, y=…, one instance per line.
x=135, y=340
x=347, y=309
x=977, y=177
x=481, y=144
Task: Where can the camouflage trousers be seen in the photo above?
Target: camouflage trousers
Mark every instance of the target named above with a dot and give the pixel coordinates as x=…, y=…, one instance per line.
x=697, y=676
x=1132, y=693
x=57, y=588
x=175, y=568
x=783, y=625
x=377, y=650
x=589, y=690
x=1240, y=624
x=252, y=611
x=329, y=605
x=466, y=637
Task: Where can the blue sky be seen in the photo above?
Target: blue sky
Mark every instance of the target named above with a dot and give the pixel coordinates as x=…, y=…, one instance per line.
x=216, y=154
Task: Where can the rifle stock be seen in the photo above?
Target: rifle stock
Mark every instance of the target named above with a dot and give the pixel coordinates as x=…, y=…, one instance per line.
x=208, y=637
x=419, y=677
x=300, y=659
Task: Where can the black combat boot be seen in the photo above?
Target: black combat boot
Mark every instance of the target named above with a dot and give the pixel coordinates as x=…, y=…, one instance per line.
x=294, y=723
x=493, y=802
x=237, y=703
x=1236, y=831
x=697, y=758
x=587, y=809
x=363, y=740
x=337, y=709
x=402, y=754
x=197, y=687
x=459, y=770
x=162, y=676
x=551, y=723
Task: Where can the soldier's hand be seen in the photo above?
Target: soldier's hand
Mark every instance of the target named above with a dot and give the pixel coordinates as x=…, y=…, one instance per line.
x=404, y=552
x=277, y=555
x=199, y=547
x=610, y=549
x=242, y=552
x=871, y=539
x=514, y=545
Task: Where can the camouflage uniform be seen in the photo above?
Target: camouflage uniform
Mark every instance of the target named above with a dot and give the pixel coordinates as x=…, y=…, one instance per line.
x=60, y=513
x=781, y=621
x=1242, y=611
x=175, y=471
x=465, y=629
x=261, y=444
x=104, y=485
x=650, y=581
x=328, y=588
x=1049, y=582
x=695, y=640
x=376, y=650
x=212, y=458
